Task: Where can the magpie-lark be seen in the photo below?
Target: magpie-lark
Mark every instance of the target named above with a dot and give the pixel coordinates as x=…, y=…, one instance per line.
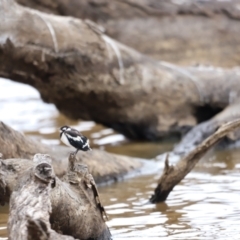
x=73, y=138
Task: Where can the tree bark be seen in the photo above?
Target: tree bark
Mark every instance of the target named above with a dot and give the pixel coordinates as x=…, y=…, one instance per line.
x=172, y=175
x=73, y=204
x=88, y=75
x=30, y=204
x=102, y=165
x=187, y=33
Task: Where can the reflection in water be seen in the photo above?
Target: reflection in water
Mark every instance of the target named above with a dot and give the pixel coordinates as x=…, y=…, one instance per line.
x=204, y=206
x=3, y=221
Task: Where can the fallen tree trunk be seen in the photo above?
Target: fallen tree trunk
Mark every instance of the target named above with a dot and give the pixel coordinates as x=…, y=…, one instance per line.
x=172, y=175
x=73, y=204
x=111, y=83
x=102, y=165
x=186, y=33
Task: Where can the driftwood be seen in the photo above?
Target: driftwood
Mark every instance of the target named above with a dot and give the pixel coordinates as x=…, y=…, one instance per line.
x=189, y=32
x=88, y=75
x=73, y=204
x=172, y=175
x=102, y=165
x=30, y=204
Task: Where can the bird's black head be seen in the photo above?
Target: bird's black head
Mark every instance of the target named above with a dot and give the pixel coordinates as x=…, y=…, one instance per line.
x=64, y=128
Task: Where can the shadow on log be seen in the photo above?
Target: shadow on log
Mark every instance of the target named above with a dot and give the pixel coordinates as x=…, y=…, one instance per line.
x=72, y=206
x=88, y=75
x=103, y=166
x=200, y=132
x=172, y=175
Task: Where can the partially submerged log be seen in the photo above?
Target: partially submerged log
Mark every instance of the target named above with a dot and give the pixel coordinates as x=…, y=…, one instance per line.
x=73, y=204
x=30, y=204
x=183, y=32
x=102, y=165
x=172, y=175
x=88, y=75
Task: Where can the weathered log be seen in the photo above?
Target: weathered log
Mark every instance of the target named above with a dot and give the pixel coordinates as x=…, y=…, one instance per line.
x=76, y=209
x=172, y=175
x=102, y=165
x=30, y=204
x=190, y=32
x=91, y=76
x=80, y=204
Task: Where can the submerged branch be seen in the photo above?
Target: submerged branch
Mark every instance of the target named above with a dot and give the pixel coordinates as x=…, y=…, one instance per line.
x=172, y=175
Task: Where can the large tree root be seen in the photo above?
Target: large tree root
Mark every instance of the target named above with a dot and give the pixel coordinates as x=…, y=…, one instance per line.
x=172, y=175
x=73, y=204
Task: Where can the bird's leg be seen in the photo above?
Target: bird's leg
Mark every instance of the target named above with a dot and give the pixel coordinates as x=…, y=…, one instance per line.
x=75, y=153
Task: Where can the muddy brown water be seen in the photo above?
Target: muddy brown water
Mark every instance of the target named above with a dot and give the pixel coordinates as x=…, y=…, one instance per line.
x=205, y=205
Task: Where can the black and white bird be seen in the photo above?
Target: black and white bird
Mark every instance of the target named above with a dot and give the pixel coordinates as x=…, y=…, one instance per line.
x=73, y=138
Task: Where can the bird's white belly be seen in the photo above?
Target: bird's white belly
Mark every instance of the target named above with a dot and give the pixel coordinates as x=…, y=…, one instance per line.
x=65, y=140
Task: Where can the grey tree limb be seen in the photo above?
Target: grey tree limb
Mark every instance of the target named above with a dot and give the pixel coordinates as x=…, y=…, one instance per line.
x=200, y=132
